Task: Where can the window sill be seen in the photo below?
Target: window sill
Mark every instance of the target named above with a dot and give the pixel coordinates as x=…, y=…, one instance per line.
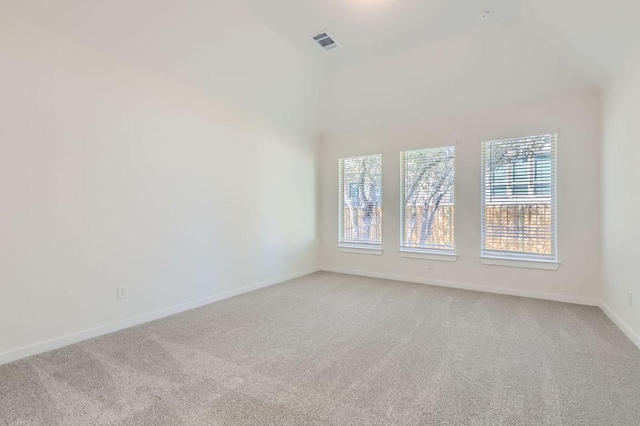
x=520, y=263
x=356, y=249
x=429, y=255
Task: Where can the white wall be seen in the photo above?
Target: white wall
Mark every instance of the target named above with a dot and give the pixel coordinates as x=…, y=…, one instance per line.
x=483, y=85
x=111, y=175
x=482, y=68
x=576, y=118
x=216, y=47
x=114, y=175
x=621, y=198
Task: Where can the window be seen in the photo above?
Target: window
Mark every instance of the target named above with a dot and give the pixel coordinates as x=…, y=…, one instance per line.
x=361, y=201
x=542, y=169
x=519, y=198
x=428, y=208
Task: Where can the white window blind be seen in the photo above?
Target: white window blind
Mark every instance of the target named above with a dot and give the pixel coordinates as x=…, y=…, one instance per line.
x=428, y=203
x=519, y=198
x=361, y=200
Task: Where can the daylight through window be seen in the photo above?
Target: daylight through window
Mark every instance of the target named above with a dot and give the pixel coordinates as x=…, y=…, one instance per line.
x=361, y=200
x=519, y=198
x=428, y=207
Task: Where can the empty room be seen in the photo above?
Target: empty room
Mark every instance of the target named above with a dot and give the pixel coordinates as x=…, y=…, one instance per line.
x=329, y=212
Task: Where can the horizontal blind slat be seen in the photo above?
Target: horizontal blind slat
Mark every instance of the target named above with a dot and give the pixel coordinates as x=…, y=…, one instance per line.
x=518, y=187
x=428, y=199
x=361, y=200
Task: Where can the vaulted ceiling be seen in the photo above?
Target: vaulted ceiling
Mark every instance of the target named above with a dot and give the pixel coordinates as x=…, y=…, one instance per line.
x=372, y=29
x=440, y=46
x=593, y=36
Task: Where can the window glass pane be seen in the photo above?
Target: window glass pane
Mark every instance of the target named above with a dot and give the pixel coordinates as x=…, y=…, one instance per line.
x=361, y=200
x=428, y=205
x=499, y=180
x=500, y=174
x=521, y=170
x=521, y=189
x=499, y=190
x=542, y=175
x=543, y=167
x=353, y=192
x=518, y=206
x=543, y=189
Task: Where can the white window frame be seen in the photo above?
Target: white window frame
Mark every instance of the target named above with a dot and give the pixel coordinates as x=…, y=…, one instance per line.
x=426, y=253
x=361, y=247
x=519, y=259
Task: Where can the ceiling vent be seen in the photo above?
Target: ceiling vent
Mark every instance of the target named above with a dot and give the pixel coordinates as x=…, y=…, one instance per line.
x=325, y=41
x=484, y=15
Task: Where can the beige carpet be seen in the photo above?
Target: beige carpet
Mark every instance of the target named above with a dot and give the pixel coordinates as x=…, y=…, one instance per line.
x=331, y=349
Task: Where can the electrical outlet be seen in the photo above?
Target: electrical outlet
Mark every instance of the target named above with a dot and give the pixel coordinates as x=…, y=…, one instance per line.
x=630, y=298
x=429, y=265
x=286, y=259
x=123, y=292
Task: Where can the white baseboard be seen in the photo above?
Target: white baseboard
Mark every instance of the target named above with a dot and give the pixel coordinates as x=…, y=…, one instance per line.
x=469, y=286
x=70, y=339
x=634, y=337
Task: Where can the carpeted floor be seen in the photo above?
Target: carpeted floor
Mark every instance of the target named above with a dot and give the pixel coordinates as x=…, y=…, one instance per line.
x=331, y=349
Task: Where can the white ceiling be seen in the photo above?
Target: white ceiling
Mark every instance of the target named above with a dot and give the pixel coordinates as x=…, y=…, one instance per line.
x=594, y=37
x=214, y=46
x=236, y=48
x=371, y=29
x=484, y=68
